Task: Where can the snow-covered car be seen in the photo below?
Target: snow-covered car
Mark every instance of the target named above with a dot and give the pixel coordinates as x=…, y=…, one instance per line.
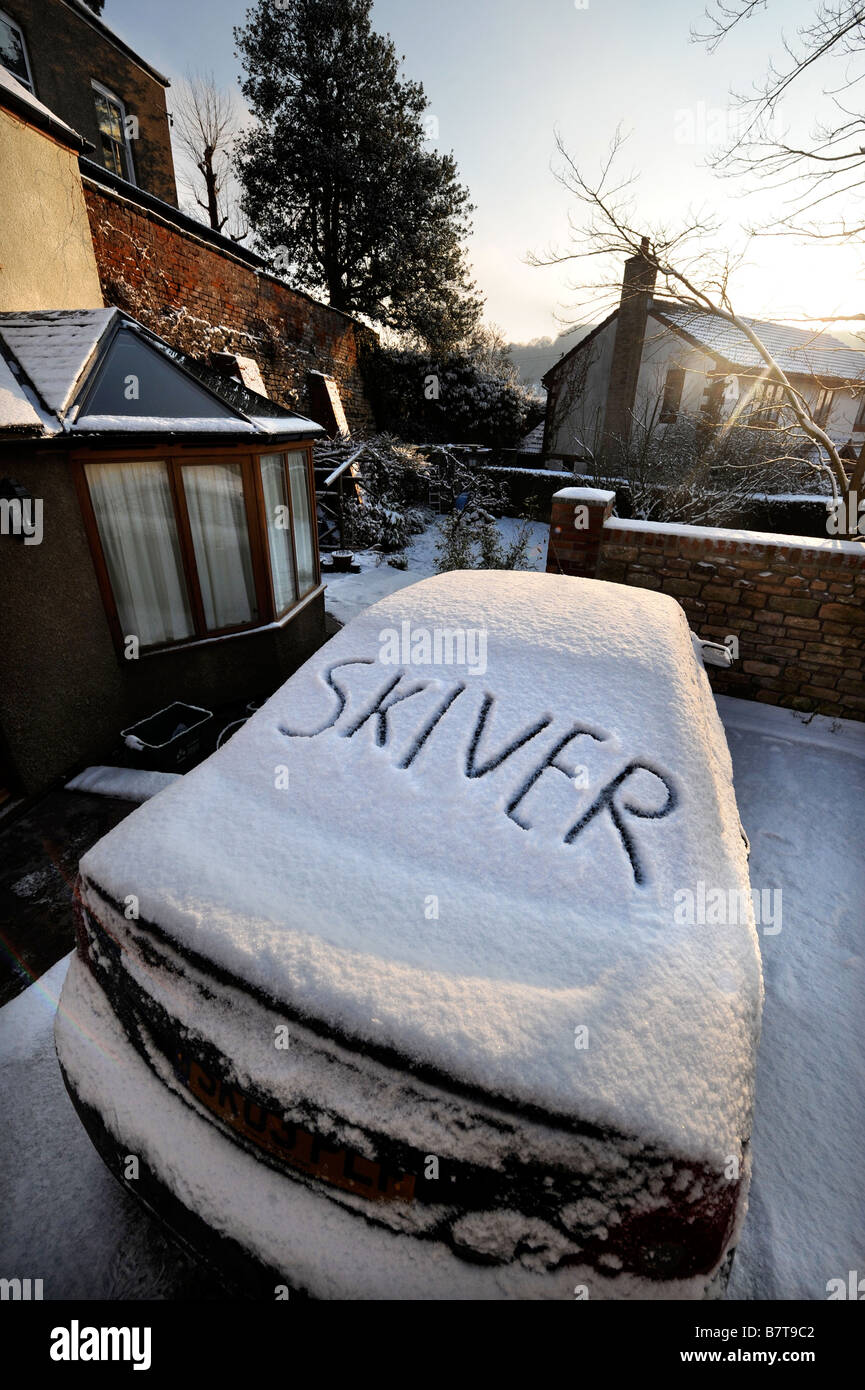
x=392, y=997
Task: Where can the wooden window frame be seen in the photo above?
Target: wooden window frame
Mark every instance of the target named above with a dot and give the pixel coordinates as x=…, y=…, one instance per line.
x=107, y=93
x=176, y=458
x=13, y=24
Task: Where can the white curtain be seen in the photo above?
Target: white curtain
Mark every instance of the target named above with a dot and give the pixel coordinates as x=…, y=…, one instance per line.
x=217, y=519
x=304, y=543
x=135, y=517
x=278, y=530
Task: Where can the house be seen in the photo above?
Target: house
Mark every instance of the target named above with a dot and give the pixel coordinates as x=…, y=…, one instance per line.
x=65, y=73
x=157, y=538
x=65, y=55
x=654, y=363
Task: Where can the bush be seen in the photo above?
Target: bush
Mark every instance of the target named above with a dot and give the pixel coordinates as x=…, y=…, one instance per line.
x=446, y=400
x=470, y=539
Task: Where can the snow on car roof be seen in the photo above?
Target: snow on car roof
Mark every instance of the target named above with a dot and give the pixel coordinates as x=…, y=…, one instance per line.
x=474, y=865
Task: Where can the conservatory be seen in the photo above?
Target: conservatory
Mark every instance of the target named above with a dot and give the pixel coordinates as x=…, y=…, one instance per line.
x=177, y=510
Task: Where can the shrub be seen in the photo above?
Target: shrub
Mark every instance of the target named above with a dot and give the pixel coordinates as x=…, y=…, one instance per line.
x=455, y=399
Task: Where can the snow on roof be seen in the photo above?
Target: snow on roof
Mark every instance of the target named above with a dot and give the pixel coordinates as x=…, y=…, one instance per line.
x=807, y=351
x=24, y=100
x=443, y=878
x=56, y=350
x=16, y=411
x=533, y=442
x=54, y=347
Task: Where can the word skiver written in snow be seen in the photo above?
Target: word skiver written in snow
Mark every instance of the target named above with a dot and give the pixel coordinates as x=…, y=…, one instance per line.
x=611, y=799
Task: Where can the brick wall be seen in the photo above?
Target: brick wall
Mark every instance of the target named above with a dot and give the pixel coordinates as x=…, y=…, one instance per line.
x=203, y=298
x=795, y=605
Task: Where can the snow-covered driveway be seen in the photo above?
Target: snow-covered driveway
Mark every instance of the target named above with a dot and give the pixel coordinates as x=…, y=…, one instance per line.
x=801, y=793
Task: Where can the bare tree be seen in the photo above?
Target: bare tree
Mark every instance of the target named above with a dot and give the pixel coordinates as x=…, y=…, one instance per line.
x=691, y=272
x=820, y=173
x=206, y=125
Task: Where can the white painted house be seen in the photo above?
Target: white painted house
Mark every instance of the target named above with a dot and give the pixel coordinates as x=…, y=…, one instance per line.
x=653, y=363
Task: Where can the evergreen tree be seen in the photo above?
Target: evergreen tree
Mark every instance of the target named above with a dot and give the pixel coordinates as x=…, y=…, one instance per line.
x=346, y=193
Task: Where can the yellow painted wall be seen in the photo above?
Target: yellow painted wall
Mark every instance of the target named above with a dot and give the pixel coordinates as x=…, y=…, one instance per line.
x=46, y=252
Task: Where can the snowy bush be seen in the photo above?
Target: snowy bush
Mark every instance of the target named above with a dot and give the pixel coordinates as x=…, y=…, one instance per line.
x=470, y=539
x=460, y=398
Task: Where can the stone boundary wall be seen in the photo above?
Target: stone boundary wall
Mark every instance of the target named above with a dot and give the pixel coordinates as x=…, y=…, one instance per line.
x=795, y=605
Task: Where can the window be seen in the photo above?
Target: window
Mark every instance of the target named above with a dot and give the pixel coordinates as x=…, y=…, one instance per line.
x=189, y=548
x=13, y=51
x=220, y=540
x=137, y=379
x=113, y=139
x=859, y=426
x=277, y=511
x=135, y=517
x=824, y=404
x=672, y=395
x=766, y=401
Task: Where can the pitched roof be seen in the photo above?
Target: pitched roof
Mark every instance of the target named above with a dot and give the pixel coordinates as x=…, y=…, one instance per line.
x=796, y=350
x=83, y=10
x=806, y=352
x=63, y=372
x=54, y=348
x=533, y=442
x=16, y=411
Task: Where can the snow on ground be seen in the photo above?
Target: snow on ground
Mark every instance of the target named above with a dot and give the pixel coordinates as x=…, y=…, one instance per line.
x=801, y=794
x=349, y=594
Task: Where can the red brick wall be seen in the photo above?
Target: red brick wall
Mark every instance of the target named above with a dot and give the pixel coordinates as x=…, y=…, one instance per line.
x=202, y=299
x=796, y=607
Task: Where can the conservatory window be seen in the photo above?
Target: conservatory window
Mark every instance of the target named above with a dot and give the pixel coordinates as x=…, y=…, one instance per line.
x=277, y=512
x=111, y=121
x=13, y=51
x=303, y=521
x=220, y=539
x=189, y=549
x=135, y=516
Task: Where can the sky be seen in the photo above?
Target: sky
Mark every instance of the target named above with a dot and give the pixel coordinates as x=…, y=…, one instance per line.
x=503, y=75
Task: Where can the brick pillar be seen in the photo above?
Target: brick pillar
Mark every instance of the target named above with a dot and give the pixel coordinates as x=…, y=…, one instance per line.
x=577, y=530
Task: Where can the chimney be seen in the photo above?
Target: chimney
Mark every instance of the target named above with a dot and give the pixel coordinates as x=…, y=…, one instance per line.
x=638, y=284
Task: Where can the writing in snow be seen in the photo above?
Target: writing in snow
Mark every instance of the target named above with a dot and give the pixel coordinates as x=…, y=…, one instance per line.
x=656, y=793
